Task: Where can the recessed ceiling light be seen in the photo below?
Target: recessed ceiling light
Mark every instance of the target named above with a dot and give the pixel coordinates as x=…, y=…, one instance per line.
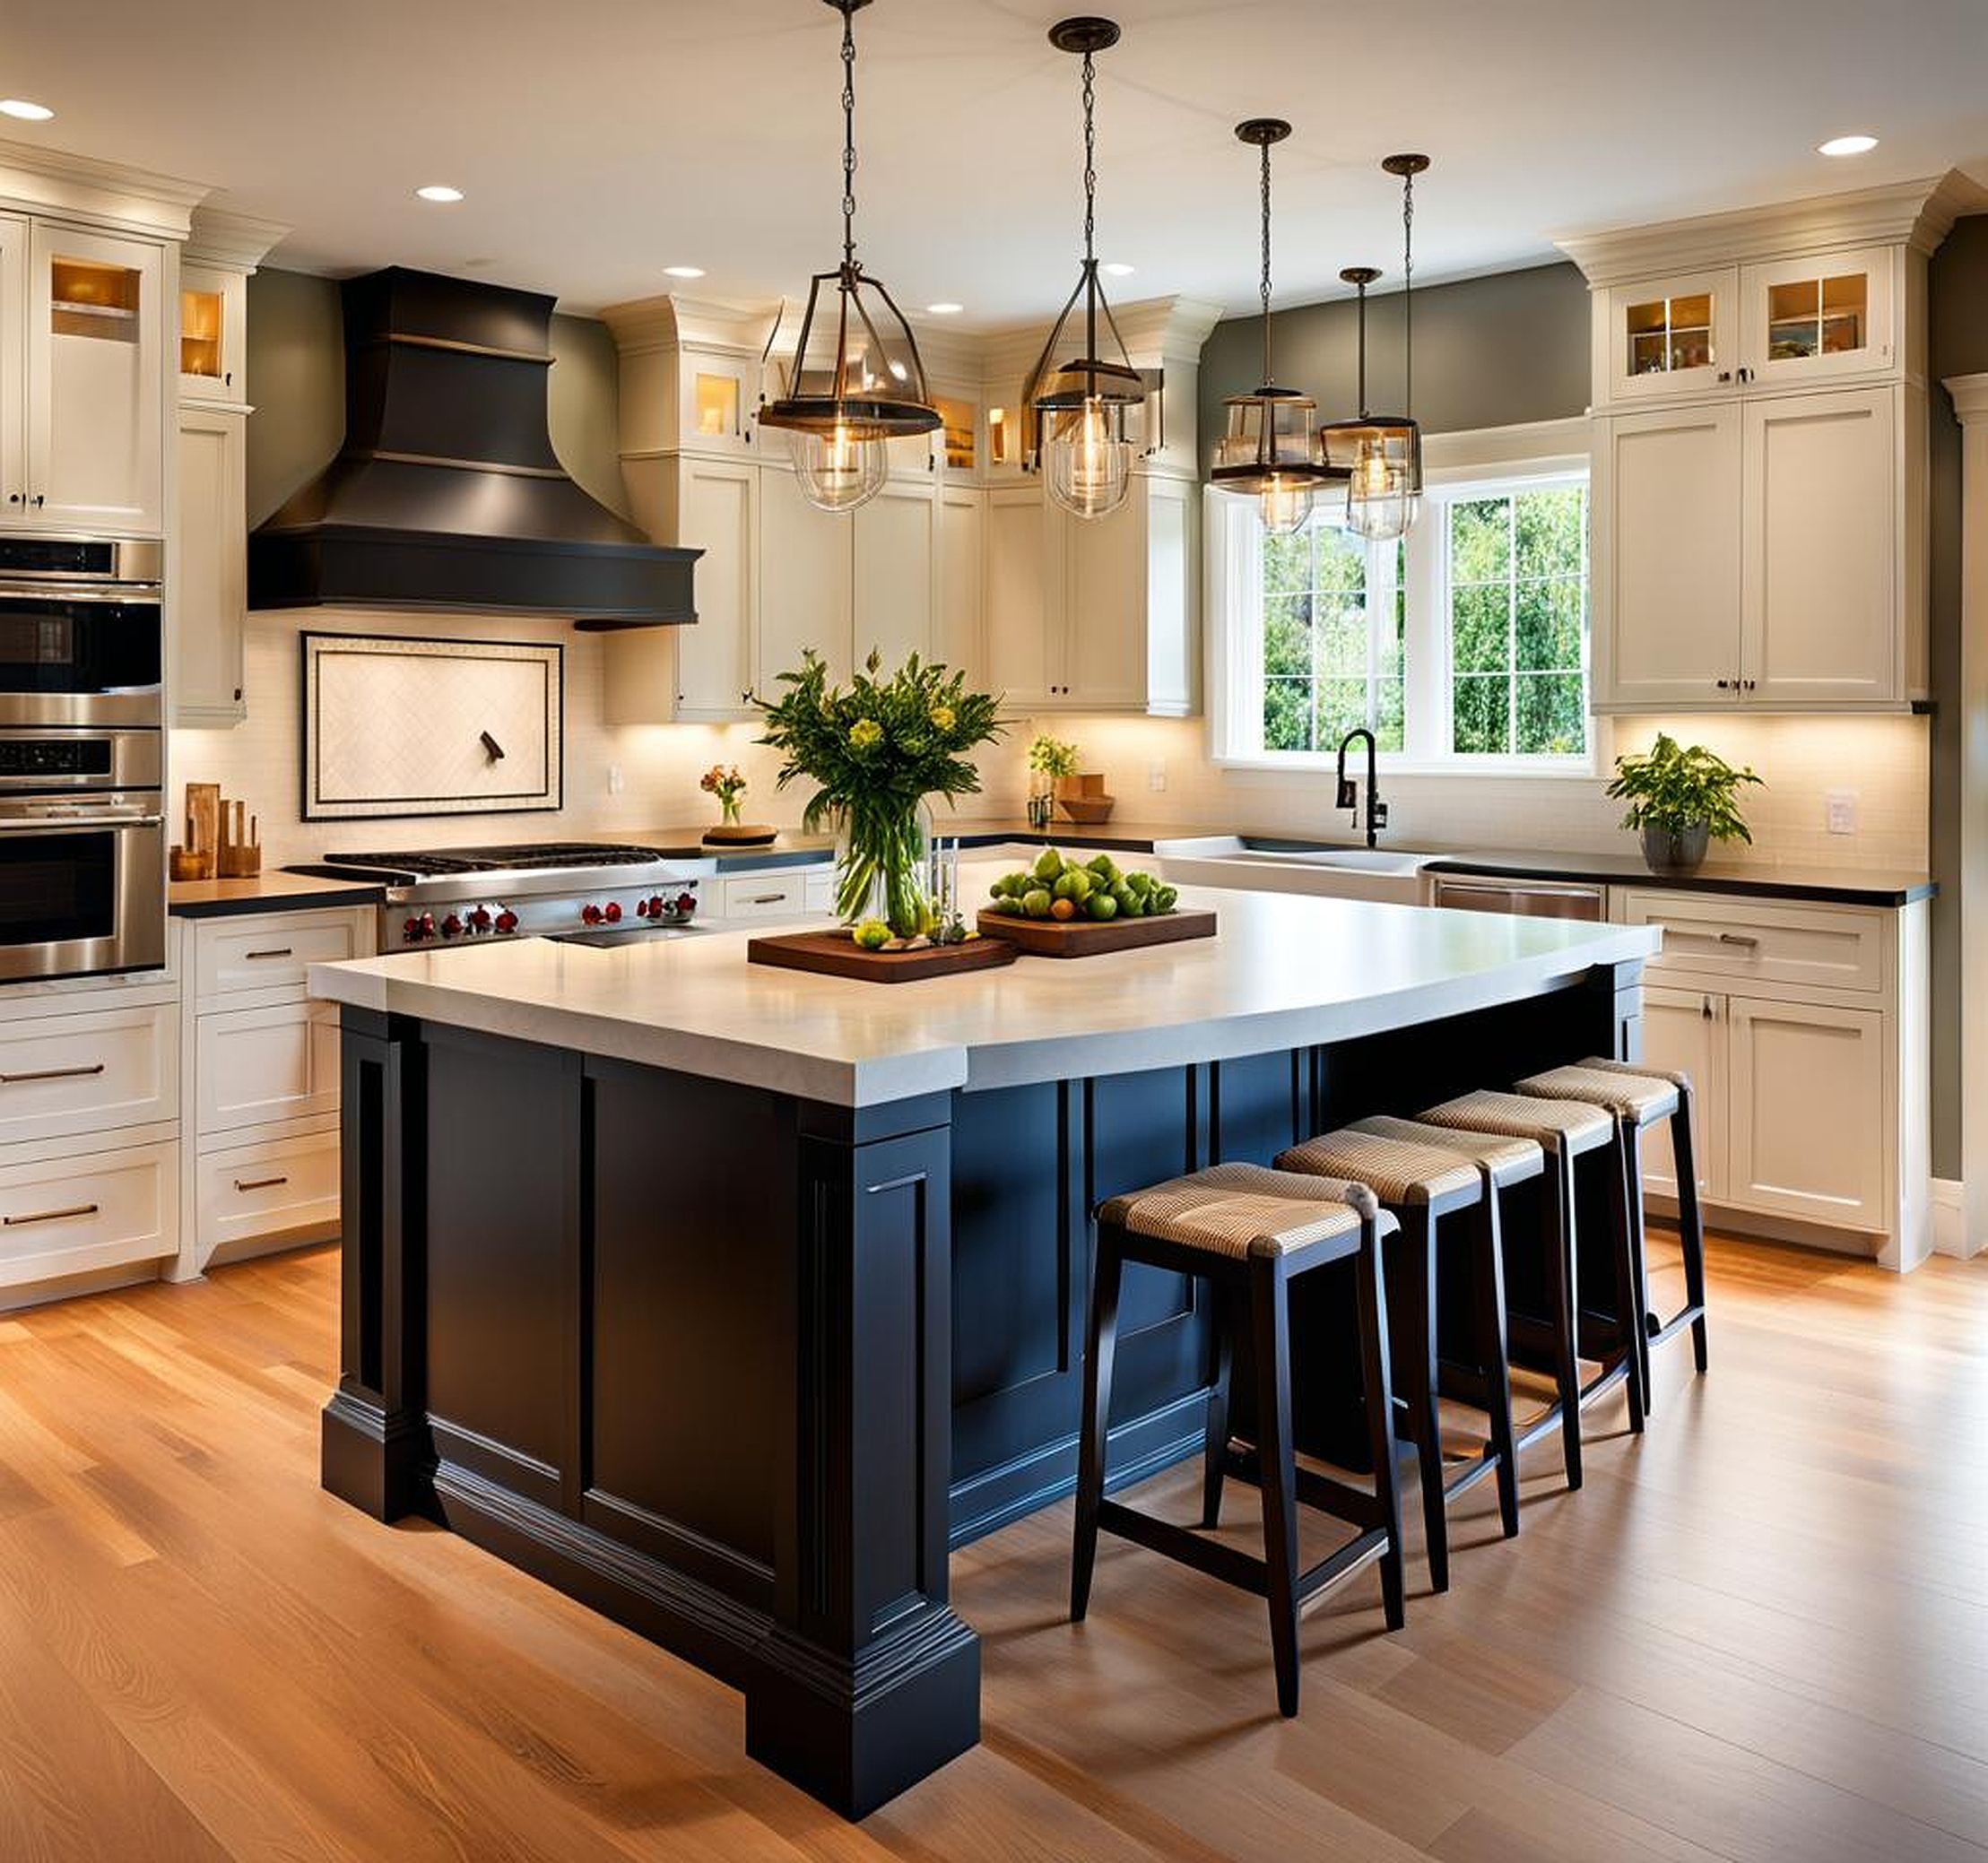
x=684, y=270
x=436, y=191
x=944, y=310
x=1118, y=268
x=27, y=112
x=1847, y=146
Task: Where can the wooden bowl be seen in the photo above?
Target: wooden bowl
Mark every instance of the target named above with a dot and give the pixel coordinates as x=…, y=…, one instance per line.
x=1087, y=808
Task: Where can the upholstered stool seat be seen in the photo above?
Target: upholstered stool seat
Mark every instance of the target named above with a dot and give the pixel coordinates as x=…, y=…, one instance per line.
x=1249, y=1232
x=1420, y=1180
x=1504, y=1160
x=1640, y=1098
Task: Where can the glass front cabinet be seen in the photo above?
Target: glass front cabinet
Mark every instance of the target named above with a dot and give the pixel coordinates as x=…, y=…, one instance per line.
x=1673, y=336
x=213, y=329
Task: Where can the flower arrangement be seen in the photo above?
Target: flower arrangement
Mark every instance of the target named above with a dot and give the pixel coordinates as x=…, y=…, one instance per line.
x=1051, y=760
x=875, y=750
x=728, y=786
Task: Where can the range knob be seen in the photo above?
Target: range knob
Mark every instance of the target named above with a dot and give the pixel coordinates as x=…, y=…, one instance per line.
x=480, y=919
x=590, y=914
x=419, y=930
x=654, y=906
x=685, y=904
x=506, y=921
x=452, y=926
x=612, y=912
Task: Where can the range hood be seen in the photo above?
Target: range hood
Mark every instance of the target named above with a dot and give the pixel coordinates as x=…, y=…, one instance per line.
x=448, y=494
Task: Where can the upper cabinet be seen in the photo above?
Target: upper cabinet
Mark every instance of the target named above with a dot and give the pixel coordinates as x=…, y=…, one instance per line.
x=1760, y=453
x=214, y=335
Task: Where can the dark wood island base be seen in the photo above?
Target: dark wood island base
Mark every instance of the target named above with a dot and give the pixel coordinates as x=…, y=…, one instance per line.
x=736, y=1367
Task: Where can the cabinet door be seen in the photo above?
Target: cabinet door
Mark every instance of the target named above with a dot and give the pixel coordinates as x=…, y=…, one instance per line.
x=1684, y=1031
x=1816, y=320
x=1666, y=558
x=256, y=1067
x=1820, y=609
x=13, y=369
x=957, y=639
x=1806, y=1126
x=213, y=332
x=717, y=512
x=804, y=581
x=716, y=403
x=896, y=571
x=208, y=586
x=1671, y=336
x=96, y=382
x=1104, y=608
x=1173, y=598
x=1019, y=590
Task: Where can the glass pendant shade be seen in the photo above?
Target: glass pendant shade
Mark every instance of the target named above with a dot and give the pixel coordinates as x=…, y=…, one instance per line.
x=1285, y=506
x=1086, y=457
x=855, y=379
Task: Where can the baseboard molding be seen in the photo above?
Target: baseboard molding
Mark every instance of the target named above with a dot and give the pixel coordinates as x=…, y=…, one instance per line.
x=1950, y=1230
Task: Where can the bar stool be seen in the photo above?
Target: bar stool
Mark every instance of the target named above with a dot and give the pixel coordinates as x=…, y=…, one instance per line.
x=1640, y=1098
x=1565, y=1130
x=1250, y=1232
x=1420, y=1179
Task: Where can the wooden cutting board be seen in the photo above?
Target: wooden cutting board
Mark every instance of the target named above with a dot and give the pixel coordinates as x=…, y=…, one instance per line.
x=836, y=954
x=1091, y=938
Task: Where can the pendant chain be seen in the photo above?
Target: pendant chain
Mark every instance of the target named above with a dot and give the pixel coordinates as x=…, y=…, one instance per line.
x=1090, y=156
x=848, y=137
x=1408, y=294
x=1268, y=377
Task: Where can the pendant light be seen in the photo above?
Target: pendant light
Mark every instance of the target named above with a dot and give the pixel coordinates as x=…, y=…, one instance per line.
x=1271, y=451
x=1381, y=455
x=1080, y=406
x=856, y=380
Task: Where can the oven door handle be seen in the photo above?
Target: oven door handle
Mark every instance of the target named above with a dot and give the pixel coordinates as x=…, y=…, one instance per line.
x=123, y=594
x=77, y=824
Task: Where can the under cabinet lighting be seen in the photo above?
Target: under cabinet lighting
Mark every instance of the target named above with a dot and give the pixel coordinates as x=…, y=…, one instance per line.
x=27, y=112
x=435, y=191
x=1847, y=146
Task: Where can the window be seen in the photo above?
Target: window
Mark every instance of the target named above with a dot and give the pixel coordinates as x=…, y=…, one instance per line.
x=1462, y=646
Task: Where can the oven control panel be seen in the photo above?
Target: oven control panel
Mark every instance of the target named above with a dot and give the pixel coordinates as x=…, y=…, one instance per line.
x=492, y=921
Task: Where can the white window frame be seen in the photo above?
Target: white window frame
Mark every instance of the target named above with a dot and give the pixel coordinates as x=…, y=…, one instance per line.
x=1456, y=467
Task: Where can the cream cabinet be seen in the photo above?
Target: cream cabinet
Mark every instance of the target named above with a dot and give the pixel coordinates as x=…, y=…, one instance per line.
x=207, y=581
x=1661, y=337
x=1017, y=654
x=807, y=581
x=13, y=369
x=959, y=637
x=1682, y=1033
x=214, y=335
x=1819, y=317
x=896, y=542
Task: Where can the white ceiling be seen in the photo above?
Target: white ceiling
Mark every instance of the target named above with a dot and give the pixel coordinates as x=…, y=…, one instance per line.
x=600, y=141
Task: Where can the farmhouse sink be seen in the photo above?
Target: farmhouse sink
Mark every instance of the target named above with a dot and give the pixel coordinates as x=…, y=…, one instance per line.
x=1389, y=874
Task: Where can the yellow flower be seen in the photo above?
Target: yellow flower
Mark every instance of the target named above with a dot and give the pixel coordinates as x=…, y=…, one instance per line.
x=865, y=734
x=943, y=718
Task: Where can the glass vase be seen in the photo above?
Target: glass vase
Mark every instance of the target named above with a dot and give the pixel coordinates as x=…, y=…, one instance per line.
x=728, y=811
x=882, y=855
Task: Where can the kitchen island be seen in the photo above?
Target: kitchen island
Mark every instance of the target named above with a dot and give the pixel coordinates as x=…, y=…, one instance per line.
x=727, y=1298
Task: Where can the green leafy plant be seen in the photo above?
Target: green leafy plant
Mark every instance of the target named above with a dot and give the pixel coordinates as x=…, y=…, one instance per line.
x=875, y=750
x=1051, y=757
x=1672, y=789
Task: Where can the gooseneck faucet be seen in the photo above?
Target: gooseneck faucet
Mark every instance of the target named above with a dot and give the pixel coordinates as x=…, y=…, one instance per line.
x=1376, y=809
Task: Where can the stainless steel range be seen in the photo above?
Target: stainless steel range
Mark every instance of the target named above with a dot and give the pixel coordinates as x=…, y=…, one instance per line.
x=581, y=891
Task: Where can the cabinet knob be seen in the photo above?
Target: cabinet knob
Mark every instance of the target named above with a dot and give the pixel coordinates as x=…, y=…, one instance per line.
x=1725, y=375
x=17, y=497
x=1725, y=685
x=228, y=380
x=1748, y=685
x=40, y=498
x=238, y=695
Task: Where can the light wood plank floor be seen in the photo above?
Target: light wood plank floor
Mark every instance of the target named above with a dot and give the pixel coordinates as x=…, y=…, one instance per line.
x=1761, y=1632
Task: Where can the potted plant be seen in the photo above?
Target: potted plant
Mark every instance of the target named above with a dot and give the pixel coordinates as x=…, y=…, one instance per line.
x=1053, y=763
x=1680, y=800
x=875, y=750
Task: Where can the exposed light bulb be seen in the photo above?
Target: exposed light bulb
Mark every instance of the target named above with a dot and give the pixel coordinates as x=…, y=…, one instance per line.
x=841, y=469
x=1087, y=459
x=1285, y=506
x=1380, y=505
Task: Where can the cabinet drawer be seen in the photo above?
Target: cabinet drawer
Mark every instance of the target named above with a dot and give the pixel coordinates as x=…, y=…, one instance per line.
x=277, y=1187
x=765, y=896
x=258, y=1066
x=271, y=953
x=72, y=1215
x=88, y=1074
x=1744, y=940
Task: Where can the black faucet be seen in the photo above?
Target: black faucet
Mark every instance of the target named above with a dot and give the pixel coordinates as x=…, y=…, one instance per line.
x=1376, y=809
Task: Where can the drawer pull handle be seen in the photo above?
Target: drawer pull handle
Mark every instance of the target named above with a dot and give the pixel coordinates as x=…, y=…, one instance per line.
x=50, y=1216
x=85, y=1073
x=246, y=1184
x=257, y=956
x=1740, y=938
x=767, y=900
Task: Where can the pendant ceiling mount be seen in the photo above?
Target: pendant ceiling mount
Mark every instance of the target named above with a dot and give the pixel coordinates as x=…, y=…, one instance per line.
x=1270, y=449
x=1078, y=405
x=856, y=379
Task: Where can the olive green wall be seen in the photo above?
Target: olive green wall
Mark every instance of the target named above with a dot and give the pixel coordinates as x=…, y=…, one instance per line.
x=297, y=384
x=1492, y=351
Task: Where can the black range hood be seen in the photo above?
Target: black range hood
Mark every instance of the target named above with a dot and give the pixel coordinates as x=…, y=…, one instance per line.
x=448, y=494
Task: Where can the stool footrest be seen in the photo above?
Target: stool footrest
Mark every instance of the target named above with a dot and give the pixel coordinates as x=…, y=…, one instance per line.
x=1340, y=1499
x=1182, y=1543
x=1341, y=1563
x=1676, y=1323
x=1485, y=1462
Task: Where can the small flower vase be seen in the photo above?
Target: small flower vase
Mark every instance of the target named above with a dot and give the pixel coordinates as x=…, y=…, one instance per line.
x=728, y=811
x=882, y=862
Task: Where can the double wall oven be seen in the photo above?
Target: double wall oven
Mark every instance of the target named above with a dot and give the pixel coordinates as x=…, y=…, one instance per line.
x=82, y=832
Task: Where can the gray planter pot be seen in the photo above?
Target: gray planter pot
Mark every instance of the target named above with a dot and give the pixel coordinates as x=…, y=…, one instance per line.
x=1680, y=852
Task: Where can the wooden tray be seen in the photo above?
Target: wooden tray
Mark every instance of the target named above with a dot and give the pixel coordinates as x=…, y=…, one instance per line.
x=836, y=954
x=1091, y=938
x=743, y=833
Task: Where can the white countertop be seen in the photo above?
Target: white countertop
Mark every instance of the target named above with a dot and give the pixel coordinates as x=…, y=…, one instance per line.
x=1283, y=971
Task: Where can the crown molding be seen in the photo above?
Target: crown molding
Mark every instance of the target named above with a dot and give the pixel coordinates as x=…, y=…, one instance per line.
x=1970, y=396
x=1917, y=214
x=237, y=242
x=671, y=319
x=81, y=187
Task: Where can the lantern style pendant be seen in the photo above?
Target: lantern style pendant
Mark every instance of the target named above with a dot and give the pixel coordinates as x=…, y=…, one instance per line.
x=1381, y=455
x=856, y=380
x=1271, y=451
x=1079, y=404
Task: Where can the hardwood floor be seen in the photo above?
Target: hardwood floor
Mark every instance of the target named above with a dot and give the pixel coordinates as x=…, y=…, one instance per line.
x=1758, y=1633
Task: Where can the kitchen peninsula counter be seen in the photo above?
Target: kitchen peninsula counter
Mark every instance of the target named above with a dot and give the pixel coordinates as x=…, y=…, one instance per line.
x=726, y=1299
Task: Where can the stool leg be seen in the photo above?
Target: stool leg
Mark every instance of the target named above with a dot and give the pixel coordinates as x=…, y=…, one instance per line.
x=1101, y=1344
x=1631, y=1290
x=1371, y=1293
x=1564, y=1289
x=1491, y=1354
x=1629, y=1141
x=1270, y=1332
x=1412, y=1296
x=1690, y=1219
x=1215, y=1446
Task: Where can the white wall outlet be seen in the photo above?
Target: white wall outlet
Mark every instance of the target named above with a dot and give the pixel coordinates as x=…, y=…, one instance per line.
x=1839, y=808
x=616, y=783
x=1156, y=776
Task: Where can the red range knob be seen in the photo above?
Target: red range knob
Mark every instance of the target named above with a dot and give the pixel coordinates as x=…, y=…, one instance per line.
x=612, y=912
x=507, y=921
x=641, y=908
x=419, y=931
x=452, y=926
x=685, y=904
x=655, y=907
x=480, y=919
x=590, y=914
